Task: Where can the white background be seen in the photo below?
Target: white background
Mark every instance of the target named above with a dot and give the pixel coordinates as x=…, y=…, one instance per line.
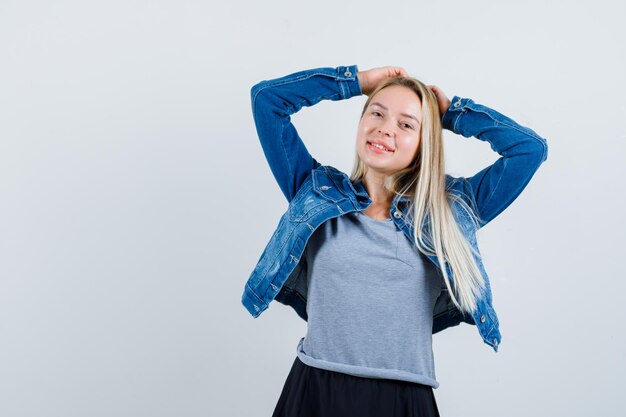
x=135, y=198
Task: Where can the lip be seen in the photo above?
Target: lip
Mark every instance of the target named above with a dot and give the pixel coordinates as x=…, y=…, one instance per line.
x=377, y=150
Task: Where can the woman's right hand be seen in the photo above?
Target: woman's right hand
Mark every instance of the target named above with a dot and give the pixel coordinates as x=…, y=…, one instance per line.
x=368, y=80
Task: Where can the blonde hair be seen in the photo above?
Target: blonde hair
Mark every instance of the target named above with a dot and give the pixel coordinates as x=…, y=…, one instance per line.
x=423, y=182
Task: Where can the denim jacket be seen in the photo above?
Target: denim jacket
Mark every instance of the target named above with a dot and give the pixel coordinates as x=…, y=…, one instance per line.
x=317, y=192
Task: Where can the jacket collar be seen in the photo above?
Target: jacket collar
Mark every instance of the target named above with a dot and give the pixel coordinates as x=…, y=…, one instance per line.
x=356, y=191
x=398, y=202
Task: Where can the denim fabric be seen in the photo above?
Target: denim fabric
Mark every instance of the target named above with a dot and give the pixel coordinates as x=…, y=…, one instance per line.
x=319, y=192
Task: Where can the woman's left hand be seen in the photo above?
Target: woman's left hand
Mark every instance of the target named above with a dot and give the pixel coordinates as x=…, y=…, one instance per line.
x=442, y=100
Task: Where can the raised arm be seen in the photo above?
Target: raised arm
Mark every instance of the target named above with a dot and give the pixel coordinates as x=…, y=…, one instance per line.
x=495, y=187
x=274, y=101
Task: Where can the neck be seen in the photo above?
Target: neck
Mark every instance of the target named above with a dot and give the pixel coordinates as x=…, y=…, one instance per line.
x=373, y=183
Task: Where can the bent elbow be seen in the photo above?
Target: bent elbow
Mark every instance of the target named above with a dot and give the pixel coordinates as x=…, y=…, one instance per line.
x=539, y=149
x=543, y=150
x=260, y=100
x=254, y=92
x=256, y=89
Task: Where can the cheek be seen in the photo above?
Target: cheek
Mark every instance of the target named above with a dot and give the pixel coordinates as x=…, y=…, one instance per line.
x=410, y=150
x=361, y=135
x=358, y=142
x=410, y=143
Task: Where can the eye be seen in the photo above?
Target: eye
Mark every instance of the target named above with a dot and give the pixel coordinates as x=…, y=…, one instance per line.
x=406, y=126
x=376, y=113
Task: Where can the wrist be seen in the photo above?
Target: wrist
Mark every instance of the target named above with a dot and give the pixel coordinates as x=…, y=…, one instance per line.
x=360, y=78
x=363, y=82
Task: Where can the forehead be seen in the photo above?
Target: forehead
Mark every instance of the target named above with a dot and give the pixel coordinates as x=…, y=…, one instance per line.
x=398, y=99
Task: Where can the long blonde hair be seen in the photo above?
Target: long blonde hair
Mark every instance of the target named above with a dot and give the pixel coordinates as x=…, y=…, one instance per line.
x=423, y=182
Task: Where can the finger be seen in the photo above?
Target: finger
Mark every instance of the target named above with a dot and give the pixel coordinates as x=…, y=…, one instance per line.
x=394, y=72
x=435, y=91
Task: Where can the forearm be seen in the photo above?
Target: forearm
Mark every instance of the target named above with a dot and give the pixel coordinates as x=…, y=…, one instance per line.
x=286, y=95
x=506, y=137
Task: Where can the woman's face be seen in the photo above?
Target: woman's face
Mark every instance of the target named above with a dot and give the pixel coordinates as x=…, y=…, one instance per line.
x=389, y=131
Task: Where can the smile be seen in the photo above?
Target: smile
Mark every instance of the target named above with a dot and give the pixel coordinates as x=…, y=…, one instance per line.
x=378, y=147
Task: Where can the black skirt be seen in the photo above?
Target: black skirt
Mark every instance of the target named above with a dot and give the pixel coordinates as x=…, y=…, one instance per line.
x=314, y=392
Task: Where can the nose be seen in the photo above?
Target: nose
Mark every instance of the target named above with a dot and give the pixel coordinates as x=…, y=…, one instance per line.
x=386, y=130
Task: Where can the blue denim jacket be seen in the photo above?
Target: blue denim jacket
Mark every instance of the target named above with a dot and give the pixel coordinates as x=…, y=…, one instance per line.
x=318, y=192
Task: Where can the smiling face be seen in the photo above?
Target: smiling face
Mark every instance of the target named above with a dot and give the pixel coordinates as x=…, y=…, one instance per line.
x=389, y=131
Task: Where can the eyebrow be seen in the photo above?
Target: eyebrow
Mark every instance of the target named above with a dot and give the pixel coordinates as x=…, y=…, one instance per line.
x=402, y=114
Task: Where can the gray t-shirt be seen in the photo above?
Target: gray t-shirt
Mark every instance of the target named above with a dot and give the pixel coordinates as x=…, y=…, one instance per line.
x=371, y=295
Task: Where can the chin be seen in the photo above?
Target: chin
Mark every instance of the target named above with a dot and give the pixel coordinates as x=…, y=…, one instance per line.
x=383, y=169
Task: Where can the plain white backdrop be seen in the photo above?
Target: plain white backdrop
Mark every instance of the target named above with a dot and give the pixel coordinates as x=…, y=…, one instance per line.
x=135, y=198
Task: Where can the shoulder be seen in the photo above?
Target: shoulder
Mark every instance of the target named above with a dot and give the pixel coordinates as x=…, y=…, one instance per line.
x=458, y=185
x=461, y=188
x=326, y=177
x=323, y=178
x=335, y=184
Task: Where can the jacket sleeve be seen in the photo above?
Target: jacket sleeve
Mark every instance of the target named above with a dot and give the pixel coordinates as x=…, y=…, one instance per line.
x=274, y=101
x=522, y=151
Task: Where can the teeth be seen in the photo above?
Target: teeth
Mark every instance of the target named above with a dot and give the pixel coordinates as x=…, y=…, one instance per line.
x=379, y=146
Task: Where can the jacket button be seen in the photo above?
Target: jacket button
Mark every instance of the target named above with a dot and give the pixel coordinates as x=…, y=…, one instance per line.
x=482, y=318
x=495, y=342
x=397, y=214
x=324, y=187
x=457, y=104
x=347, y=73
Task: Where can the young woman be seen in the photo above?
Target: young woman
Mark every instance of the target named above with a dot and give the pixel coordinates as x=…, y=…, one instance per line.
x=360, y=257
